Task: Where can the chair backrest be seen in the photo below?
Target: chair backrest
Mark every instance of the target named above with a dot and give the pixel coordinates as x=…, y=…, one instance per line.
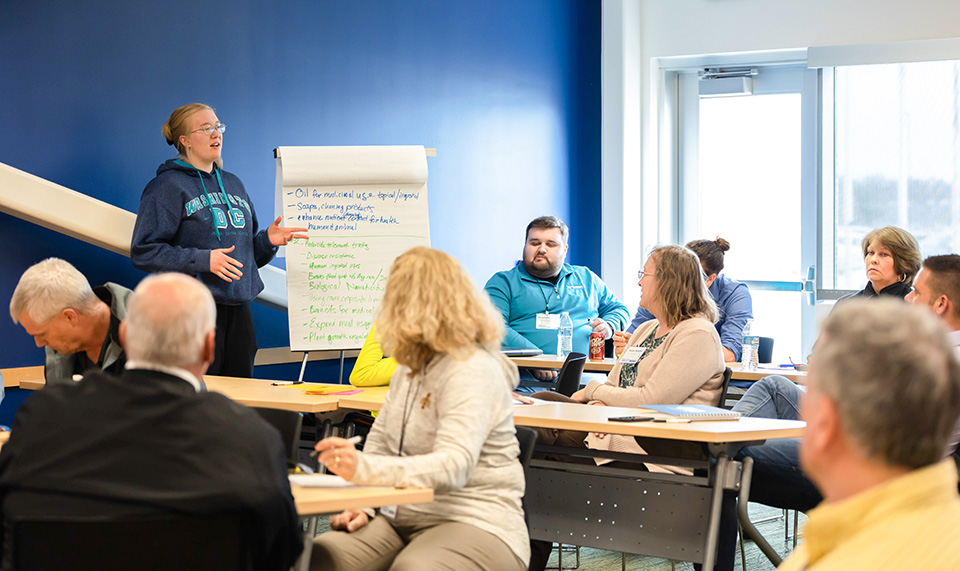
x=288, y=423
x=156, y=542
x=568, y=380
x=765, y=350
x=727, y=375
x=527, y=438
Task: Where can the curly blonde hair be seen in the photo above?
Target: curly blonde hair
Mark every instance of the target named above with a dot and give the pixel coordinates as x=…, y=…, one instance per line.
x=432, y=307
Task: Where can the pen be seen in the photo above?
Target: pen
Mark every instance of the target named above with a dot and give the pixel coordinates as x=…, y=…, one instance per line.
x=672, y=420
x=352, y=440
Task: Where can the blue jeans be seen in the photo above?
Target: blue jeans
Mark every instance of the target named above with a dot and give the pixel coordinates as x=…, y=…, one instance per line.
x=771, y=397
x=778, y=480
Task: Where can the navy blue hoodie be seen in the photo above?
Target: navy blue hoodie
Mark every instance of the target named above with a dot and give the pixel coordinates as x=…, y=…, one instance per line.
x=184, y=213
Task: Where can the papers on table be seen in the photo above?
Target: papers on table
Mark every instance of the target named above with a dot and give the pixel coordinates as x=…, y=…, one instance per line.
x=319, y=481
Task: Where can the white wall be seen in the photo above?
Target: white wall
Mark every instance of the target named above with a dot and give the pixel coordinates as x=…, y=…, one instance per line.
x=695, y=27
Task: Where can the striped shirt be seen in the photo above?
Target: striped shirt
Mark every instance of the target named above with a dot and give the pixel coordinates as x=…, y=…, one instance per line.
x=911, y=522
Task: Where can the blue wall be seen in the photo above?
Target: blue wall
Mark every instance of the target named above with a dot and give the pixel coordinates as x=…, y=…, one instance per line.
x=508, y=92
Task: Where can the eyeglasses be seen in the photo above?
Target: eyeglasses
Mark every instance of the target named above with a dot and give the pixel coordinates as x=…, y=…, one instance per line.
x=642, y=273
x=209, y=129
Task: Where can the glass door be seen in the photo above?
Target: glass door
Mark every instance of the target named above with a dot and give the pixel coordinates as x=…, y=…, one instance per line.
x=747, y=173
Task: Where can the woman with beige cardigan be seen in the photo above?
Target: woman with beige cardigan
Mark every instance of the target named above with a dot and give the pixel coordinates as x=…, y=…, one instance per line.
x=674, y=359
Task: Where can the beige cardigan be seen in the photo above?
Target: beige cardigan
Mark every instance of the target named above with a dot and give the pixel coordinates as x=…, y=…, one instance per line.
x=687, y=368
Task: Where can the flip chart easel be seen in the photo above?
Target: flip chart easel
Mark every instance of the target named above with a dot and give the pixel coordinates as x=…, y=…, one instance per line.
x=362, y=207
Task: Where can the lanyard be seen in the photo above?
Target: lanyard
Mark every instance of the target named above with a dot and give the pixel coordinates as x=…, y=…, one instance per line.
x=407, y=410
x=546, y=300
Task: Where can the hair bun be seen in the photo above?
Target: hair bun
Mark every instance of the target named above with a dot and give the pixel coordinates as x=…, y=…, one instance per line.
x=167, y=134
x=722, y=244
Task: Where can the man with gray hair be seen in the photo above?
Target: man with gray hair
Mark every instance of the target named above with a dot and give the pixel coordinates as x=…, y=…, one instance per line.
x=883, y=399
x=151, y=442
x=77, y=325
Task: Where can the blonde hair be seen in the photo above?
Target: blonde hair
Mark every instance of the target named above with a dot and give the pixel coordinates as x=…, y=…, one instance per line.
x=681, y=286
x=906, y=252
x=176, y=126
x=432, y=307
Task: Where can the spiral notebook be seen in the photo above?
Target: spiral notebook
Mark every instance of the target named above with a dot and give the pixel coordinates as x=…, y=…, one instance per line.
x=694, y=412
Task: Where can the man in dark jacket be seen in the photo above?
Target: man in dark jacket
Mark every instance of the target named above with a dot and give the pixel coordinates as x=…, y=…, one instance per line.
x=151, y=441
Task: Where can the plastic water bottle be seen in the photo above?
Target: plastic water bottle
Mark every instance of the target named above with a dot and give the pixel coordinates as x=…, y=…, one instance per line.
x=749, y=356
x=565, y=336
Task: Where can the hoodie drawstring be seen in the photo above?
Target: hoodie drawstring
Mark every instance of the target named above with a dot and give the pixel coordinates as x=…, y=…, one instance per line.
x=203, y=187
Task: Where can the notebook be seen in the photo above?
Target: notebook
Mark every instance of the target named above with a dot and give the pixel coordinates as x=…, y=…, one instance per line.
x=694, y=411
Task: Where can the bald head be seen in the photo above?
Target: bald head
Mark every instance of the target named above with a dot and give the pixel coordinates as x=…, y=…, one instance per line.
x=169, y=318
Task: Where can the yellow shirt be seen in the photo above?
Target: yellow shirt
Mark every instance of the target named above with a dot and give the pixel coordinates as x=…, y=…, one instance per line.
x=371, y=368
x=911, y=522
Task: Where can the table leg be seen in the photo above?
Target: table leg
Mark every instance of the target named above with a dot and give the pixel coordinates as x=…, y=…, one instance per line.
x=716, y=503
x=745, y=523
x=303, y=564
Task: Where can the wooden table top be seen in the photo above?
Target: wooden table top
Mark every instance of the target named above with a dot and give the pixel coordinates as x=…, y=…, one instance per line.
x=370, y=399
x=553, y=362
x=262, y=393
x=605, y=366
x=317, y=501
x=14, y=376
x=594, y=419
x=765, y=371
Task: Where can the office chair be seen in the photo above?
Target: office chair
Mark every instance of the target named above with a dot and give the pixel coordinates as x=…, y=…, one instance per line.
x=289, y=424
x=724, y=386
x=765, y=350
x=149, y=543
x=764, y=355
x=568, y=379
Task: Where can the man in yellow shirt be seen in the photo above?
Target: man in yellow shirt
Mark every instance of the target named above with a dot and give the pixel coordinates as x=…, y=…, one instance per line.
x=883, y=400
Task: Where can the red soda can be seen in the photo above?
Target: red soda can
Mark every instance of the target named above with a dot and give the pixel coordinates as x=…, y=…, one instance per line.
x=596, y=346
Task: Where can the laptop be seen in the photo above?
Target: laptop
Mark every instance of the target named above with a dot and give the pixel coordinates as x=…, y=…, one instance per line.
x=520, y=351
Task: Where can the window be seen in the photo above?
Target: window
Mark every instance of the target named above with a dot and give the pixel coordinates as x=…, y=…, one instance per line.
x=895, y=134
x=741, y=164
x=797, y=171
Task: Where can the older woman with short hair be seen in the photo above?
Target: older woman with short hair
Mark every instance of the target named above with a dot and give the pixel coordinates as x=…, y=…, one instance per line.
x=892, y=257
x=447, y=424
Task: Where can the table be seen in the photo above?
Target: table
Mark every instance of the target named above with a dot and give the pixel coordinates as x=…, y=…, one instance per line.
x=262, y=393
x=254, y=392
x=794, y=375
x=314, y=502
x=553, y=362
x=664, y=515
x=12, y=378
x=605, y=366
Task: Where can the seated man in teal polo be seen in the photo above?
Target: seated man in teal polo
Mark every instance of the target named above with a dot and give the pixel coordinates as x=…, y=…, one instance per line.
x=532, y=296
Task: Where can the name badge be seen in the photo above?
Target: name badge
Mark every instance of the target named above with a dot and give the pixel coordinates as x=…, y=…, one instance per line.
x=389, y=512
x=548, y=321
x=632, y=355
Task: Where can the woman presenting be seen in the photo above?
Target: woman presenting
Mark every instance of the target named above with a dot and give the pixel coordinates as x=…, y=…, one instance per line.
x=447, y=424
x=197, y=219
